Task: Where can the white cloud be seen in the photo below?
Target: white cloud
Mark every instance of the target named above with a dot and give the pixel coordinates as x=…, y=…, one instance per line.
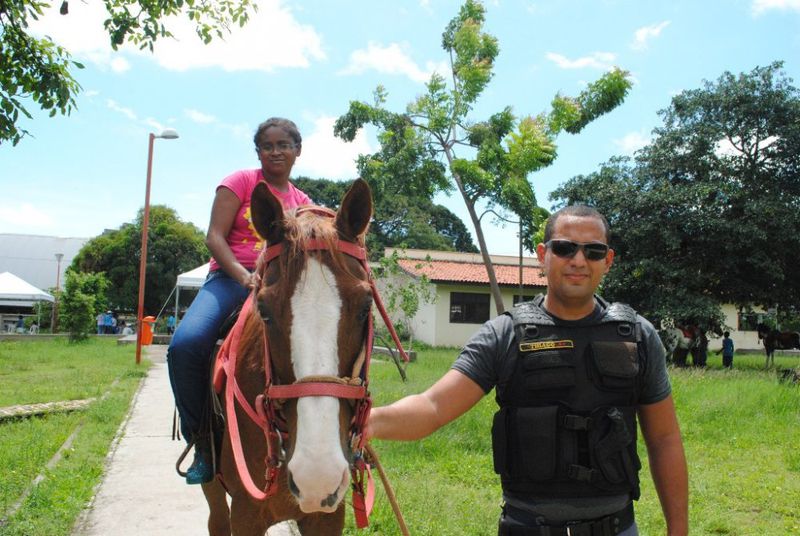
x=645, y=33
x=326, y=156
x=199, y=117
x=596, y=60
x=391, y=59
x=725, y=147
x=271, y=39
x=26, y=213
x=157, y=126
x=120, y=64
x=127, y=112
x=760, y=6
x=632, y=142
x=154, y=125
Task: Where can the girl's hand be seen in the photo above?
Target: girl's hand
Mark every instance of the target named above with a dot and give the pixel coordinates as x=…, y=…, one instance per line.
x=250, y=281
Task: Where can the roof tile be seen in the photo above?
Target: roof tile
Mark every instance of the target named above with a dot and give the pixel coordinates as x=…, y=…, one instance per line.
x=469, y=272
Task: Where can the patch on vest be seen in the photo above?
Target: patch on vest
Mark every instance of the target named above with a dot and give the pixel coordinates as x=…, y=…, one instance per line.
x=545, y=345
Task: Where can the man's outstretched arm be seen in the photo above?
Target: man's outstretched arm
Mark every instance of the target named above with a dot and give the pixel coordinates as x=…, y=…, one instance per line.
x=418, y=416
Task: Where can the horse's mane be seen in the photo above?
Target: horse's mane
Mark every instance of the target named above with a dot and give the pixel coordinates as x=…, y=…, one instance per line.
x=300, y=224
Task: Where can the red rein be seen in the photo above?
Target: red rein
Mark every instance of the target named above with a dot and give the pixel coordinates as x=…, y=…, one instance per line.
x=264, y=413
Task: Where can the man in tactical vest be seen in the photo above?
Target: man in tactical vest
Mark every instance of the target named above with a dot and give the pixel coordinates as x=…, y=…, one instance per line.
x=572, y=373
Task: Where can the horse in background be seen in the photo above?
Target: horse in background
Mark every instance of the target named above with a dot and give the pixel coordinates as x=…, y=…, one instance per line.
x=676, y=345
x=776, y=340
x=684, y=338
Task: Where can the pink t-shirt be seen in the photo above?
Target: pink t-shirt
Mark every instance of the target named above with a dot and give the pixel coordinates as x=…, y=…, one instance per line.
x=243, y=239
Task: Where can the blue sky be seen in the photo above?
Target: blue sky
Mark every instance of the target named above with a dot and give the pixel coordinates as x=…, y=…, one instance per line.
x=305, y=60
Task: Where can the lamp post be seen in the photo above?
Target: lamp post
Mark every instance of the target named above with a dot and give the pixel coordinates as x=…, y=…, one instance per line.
x=167, y=134
x=54, y=323
x=520, y=245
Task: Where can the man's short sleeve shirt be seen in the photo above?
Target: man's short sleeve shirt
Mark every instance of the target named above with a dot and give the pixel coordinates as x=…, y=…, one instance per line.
x=487, y=357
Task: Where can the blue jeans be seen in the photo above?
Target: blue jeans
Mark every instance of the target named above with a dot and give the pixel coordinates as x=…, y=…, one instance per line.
x=189, y=353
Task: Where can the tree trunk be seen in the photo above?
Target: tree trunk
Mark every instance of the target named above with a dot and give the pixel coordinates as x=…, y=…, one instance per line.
x=487, y=262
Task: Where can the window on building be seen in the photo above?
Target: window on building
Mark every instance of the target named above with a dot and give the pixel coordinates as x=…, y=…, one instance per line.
x=524, y=298
x=749, y=321
x=469, y=308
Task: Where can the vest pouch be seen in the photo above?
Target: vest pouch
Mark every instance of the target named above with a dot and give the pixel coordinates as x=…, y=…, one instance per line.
x=500, y=444
x=615, y=364
x=535, y=441
x=549, y=369
x=612, y=448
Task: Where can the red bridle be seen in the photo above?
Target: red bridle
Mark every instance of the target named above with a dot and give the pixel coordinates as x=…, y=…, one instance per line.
x=264, y=412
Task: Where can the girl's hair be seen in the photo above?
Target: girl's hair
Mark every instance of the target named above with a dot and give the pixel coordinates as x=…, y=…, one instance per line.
x=287, y=125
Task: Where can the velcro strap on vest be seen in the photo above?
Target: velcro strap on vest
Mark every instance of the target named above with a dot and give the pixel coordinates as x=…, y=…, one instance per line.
x=576, y=422
x=581, y=473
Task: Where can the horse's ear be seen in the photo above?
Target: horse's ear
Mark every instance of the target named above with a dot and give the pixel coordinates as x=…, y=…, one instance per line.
x=355, y=211
x=267, y=214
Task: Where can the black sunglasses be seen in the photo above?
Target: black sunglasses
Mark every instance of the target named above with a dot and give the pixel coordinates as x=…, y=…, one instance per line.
x=593, y=251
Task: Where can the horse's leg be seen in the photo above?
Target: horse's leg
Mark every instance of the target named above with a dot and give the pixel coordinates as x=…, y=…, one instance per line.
x=248, y=518
x=323, y=524
x=679, y=357
x=219, y=516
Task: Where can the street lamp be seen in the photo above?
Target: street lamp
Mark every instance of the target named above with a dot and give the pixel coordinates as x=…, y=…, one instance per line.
x=54, y=323
x=167, y=134
x=521, y=294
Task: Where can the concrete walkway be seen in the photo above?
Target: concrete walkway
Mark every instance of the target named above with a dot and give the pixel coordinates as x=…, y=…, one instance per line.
x=140, y=492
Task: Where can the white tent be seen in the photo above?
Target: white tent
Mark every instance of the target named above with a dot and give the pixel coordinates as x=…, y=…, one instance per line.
x=16, y=292
x=191, y=279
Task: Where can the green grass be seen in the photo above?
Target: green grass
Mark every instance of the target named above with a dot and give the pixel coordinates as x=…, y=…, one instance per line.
x=741, y=431
x=34, y=372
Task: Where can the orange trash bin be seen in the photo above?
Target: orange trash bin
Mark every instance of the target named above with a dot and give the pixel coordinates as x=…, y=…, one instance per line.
x=147, y=330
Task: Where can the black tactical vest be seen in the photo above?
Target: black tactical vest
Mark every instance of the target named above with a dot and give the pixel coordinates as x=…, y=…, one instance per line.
x=566, y=426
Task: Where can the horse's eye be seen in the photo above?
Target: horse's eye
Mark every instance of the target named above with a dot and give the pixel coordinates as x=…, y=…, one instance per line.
x=263, y=310
x=365, y=310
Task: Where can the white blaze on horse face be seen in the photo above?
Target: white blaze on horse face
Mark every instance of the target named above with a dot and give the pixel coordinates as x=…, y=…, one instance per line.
x=318, y=465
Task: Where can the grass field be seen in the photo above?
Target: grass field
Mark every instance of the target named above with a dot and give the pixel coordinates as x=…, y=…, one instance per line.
x=741, y=430
x=35, y=372
x=742, y=436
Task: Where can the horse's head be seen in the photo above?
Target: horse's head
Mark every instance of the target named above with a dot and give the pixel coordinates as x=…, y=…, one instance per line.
x=315, y=302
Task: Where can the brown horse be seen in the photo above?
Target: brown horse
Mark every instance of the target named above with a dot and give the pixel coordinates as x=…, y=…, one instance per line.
x=300, y=368
x=776, y=340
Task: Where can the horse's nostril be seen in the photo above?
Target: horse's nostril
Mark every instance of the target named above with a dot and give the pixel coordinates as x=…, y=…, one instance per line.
x=330, y=500
x=293, y=487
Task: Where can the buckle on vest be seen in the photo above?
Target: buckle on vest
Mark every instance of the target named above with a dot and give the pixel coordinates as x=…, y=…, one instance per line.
x=580, y=473
x=576, y=422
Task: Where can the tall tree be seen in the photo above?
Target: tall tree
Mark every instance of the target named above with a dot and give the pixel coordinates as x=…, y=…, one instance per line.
x=407, y=221
x=709, y=212
x=173, y=247
x=82, y=299
x=39, y=70
x=422, y=149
